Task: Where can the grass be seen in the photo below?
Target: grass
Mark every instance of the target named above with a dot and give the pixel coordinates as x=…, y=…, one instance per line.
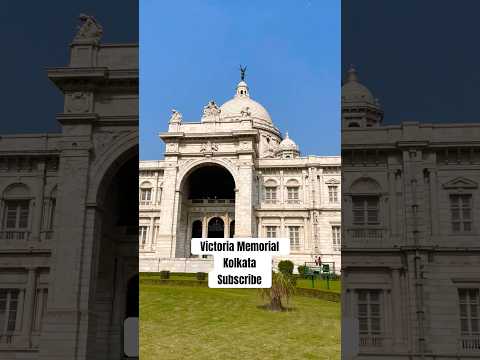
x=335, y=286
x=181, y=322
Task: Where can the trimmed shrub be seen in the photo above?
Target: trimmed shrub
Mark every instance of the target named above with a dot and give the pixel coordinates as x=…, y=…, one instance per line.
x=201, y=275
x=164, y=274
x=286, y=267
x=302, y=270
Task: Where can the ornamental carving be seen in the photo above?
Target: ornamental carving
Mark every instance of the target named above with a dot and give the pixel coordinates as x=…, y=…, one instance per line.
x=77, y=102
x=209, y=147
x=245, y=112
x=89, y=30
x=211, y=112
x=172, y=147
x=176, y=117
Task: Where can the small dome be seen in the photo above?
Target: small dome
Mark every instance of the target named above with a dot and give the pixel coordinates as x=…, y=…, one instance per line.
x=354, y=92
x=287, y=144
x=242, y=104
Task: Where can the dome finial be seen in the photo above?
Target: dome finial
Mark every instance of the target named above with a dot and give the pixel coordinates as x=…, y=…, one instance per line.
x=352, y=74
x=242, y=72
x=286, y=135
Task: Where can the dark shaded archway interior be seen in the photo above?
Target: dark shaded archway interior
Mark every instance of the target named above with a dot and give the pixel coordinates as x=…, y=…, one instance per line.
x=127, y=178
x=216, y=228
x=210, y=182
x=197, y=229
x=132, y=298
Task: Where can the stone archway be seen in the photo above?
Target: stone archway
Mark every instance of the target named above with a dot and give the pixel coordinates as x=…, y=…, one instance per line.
x=207, y=191
x=112, y=294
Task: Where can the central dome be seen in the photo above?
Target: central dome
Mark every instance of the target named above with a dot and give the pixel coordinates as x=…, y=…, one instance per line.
x=354, y=92
x=243, y=105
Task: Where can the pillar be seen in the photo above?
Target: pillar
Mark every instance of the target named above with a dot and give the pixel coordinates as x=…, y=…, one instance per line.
x=396, y=309
x=244, y=218
x=38, y=209
x=29, y=303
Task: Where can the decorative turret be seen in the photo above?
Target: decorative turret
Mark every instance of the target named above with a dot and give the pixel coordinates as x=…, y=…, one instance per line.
x=359, y=107
x=287, y=149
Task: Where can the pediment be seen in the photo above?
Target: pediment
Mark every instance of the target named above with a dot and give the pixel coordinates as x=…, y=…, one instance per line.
x=460, y=183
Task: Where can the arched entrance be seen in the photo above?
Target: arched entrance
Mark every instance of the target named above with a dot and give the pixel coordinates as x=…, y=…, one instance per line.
x=207, y=205
x=115, y=291
x=216, y=228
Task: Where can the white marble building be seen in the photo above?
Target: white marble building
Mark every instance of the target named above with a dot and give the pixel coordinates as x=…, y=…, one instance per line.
x=233, y=174
x=68, y=253
x=411, y=223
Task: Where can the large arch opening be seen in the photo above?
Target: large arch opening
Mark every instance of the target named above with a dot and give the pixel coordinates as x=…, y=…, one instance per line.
x=207, y=206
x=114, y=296
x=210, y=182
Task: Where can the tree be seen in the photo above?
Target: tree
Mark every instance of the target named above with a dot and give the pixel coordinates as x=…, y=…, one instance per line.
x=283, y=287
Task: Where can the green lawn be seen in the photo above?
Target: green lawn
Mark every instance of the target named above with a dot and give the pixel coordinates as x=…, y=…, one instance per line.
x=181, y=322
x=320, y=284
x=334, y=286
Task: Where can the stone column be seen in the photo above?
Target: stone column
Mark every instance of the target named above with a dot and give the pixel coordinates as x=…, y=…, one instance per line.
x=72, y=255
x=305, y=245
x=152, y=230
x=226, y=226
x=243, y=205
x=282, y=190
x=38, y=209
x=204, y=226
x=167, y=227
x=29, y=303
x=396, y=309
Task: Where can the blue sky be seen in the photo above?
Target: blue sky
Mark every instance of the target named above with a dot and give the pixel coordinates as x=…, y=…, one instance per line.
x=190, y=52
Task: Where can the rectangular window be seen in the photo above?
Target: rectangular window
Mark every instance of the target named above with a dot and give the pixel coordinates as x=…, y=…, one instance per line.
x=461, y=211
x=270, y=195
x=333, y=194
x=294, y=235
x=271, y=231
x=369, y=312
x=8, y=310
x=16, y=214
x=145, y=196
x=469, y=309
x=143, y=231
x=365, y=210
x=336, y=237
x=292, y=194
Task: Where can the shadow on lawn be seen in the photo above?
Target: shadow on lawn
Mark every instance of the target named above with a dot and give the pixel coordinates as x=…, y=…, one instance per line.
x=268, y=307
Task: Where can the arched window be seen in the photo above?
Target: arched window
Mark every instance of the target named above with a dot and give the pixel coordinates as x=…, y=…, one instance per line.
x=197, y=229
x=293, y=196
x=270, y=192
x=365, y=201
x=16, y=215
x=353, y=124
x=216, y=228
x=145, y=193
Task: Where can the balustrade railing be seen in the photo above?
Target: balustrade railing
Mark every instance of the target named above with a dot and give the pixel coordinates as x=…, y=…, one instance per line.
x=371, y=341
x=212, y=201
x=15, y=235
x=470, y=343
x=364, y=235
